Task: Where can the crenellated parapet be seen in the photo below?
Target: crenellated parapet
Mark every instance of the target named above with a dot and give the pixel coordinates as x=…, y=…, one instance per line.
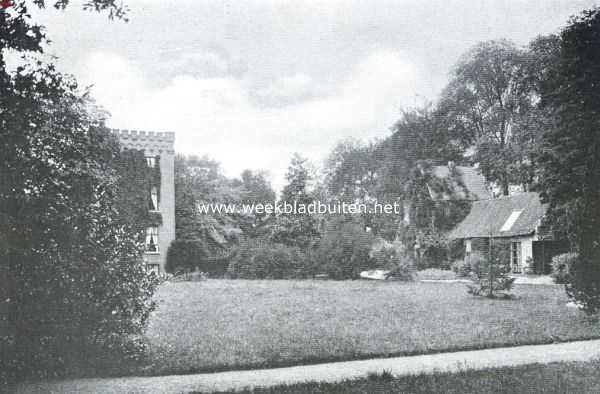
x=152, y=142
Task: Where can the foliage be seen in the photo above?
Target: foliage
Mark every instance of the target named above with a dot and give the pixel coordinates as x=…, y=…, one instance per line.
x=135, y=182
x=569, y=179
x=343, y=252
x=461, y=268
x=19, y=33
x=490, y=274
x=561, y=267
x=199, y=180
x=185, y=256
x=487, y=101
x=78, y=295
x=296, y=229
x=582, y=286
x=256, y=189
x=273, y=261
x=74, y=262
x=351, y=171
x=393, y=256
x=429, y=219
x=418, y=136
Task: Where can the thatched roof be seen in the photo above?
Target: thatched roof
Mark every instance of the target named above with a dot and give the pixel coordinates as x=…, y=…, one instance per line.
x=515, y=215
x=468, y=185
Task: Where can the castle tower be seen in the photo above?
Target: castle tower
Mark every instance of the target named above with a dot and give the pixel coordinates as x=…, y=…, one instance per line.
x=159, y=151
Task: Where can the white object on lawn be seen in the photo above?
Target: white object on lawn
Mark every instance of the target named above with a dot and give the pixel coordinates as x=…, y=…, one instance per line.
x=375, y=274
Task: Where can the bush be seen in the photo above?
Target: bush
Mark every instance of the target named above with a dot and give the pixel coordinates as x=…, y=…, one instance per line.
x=271, y=261
x=185, y=256
x=561, y=267
x=490, y=276
x=393, y=257
x=461, y=268
x=344, y=250
x=582, y=286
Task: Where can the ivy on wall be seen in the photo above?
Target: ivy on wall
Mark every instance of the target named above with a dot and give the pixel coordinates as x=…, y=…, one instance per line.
x=135, y=185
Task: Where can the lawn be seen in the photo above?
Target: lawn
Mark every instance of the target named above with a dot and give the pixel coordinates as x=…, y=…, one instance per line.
x=580, y=377
x=220, y=324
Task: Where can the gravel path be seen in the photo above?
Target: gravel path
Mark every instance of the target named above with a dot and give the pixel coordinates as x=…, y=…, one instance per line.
x=330, y=372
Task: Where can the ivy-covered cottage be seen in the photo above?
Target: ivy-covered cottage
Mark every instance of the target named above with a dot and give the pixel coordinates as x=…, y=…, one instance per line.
x=516, y=221
x=438, y=188
x=159, y=155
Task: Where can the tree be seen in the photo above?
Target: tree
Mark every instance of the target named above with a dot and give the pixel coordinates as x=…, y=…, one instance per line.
x=200, y=181
x=351, y=171
x=74, y=266
x=256, y=189
x=75, y=280
x=420, y=134
x=569, y=173
x=485, y=104
x=296, y=229
x=490, y=273
x=298, y=178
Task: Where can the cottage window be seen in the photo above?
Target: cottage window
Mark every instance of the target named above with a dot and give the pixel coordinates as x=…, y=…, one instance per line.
x=515, y=257
x=154, y=198
x=152, y=239
x=151, y=161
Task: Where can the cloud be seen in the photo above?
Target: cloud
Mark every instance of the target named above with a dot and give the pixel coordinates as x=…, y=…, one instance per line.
x=219, y=116
x=290, y=89
x=198, y=62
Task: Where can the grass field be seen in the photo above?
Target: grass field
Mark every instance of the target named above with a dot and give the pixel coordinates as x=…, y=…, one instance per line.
x=556, y=378
x=219, y=324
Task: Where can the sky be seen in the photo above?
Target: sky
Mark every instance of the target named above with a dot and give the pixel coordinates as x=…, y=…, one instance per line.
x=250, y=83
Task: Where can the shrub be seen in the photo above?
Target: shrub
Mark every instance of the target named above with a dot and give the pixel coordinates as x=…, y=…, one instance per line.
x=561, y=267
x=490, y=276
x=271, y=261
x=344, y=250
x=393, y=257
x=461, y=268
x=433, y=250
x=185, y=256
x=582, y=288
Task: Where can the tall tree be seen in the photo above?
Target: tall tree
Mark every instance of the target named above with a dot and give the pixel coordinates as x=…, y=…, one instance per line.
x=351, y=171
x=74, y=269
x=296, y=228
x=298, y=178
x=569, y=176
x=256, y=189
x=420, y=134
x=70, y=265
x=485, y=104
x=200, y=180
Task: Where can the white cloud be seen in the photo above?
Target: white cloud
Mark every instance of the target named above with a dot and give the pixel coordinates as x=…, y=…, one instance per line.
x=217, y=116
x=290, y=89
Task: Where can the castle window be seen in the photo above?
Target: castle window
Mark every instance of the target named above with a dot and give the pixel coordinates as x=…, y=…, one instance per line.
x=154, y=198
x=153, y=269
x=152, y=239
x=151, y=161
